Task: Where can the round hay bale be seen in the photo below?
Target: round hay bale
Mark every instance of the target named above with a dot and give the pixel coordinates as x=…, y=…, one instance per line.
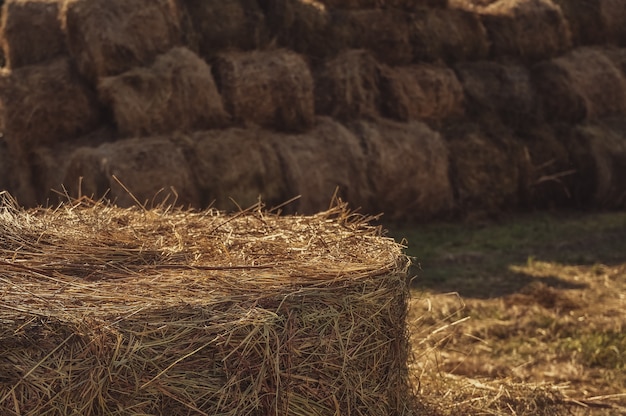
x=502, y=89
x=448, y=34
x=237, y=166
x=584, y=84
x=488, y=168
x=384, y=32
x=171, y=312
x=149, y=171
x=347, y=87
x=219, y=25
x=595, y=22
x=421, y=92
x=108, y=37
x=531, y=30
x=273, y=89
x=326, y=160
x=407, y=169
x=30, y=32
x=177, y=92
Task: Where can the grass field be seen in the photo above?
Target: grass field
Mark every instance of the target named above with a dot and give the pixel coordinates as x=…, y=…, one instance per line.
x=524, y=315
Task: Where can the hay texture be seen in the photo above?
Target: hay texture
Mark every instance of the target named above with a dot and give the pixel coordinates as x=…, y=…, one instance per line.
x=146, y=171
x=595, y=21
x=273, y=88
x=125, y=311
x=584, y=84
x=347, y=87
x=218, y=25
x=413, y=152
x=421, y=92
x=407, y=5
x=502, y=89
x=450, y=35
x=228, y=176
x=30, y=32
x=176, y=93
x=530, y=30
x=108, y=37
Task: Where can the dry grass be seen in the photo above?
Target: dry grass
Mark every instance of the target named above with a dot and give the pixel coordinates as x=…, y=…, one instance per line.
x=129, y=311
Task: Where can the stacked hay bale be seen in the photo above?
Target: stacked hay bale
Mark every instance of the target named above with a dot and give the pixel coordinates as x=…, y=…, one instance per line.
x=179, y=313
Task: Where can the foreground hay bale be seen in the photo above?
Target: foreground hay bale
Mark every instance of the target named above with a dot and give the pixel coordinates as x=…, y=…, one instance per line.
x=414, y=153
x=528, y=29
x=108, y=37
x=347, y=87
x=182, y=313
x=584, y=84
x=176, y=93
x=149, y=171
x=273, y=89
x=31, y=32
x=421, y=92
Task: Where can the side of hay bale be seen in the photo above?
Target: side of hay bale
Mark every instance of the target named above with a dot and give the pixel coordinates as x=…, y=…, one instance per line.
x=226, y=175
x=153, y=171
x=218, y=25
x=450, y=35
x=273, y=89
x=502, y=89
x=531, y=30
x=421, y=92
x=31, y=32
x=407, y=169
x=176, y=93
x=108, y=37
x=320, y=162
x=584, y=84
x=347, y=87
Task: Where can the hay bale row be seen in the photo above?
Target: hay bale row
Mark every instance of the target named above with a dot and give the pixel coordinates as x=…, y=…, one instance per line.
x=180, y=313
x=30, y=32
x=176, y=93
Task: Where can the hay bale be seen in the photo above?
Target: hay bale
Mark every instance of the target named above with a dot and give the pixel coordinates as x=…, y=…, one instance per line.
x=502, y=89
x=347, y=87
x=320, y=162
x=179, y=313
x=421, y=92
x=176, y=93
x=487, y=168
x=613, y=14
x=448, y=34
x=584, y=84
x=531, y=30
x=386, y=33
x=407, y=169
x=270, y=88
x=148, y=171
x=595, y=21
x=31, y=32
x=227, y=175
x=108, y=37
x=218, y=25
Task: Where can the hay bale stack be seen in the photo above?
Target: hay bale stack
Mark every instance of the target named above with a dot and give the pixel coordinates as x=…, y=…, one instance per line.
x=584, y=84
x=237, y=166
x=595, y=21
x=273, y=89
x=347, y=87
x=108, y=37
x=325, y=160
x=107, y=310
x=450, y=35
x=218, y=25
x=488, y=168
x=531, y=30
x=176, y=93
x=502, y=89
x=407, y=169
x=31, y=32
x=149, y=171
x=421, y=92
